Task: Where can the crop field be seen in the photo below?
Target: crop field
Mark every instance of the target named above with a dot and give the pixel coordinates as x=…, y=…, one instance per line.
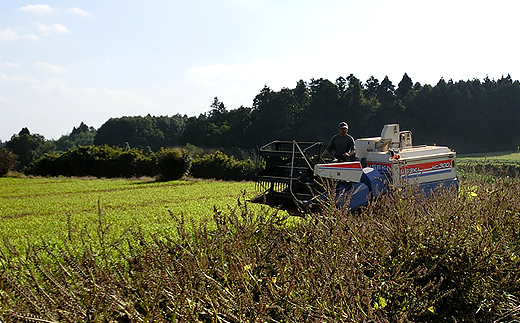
x=499, y=163
x=32, y=209
x=499, y=157
x=48, y=208
x=404, y=258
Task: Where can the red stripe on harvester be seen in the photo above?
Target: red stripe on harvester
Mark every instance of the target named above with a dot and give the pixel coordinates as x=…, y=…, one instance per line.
x=348, y=166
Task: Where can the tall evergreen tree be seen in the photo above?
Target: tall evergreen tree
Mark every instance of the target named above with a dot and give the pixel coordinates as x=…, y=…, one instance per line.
x=324, y=111
x=404, y=87
x=194, y=132
x=29, y=147
x=276, y=111
x=370, y=88
x=302, y=95
x=390, y=110
x=83, y=135
x=239, y=122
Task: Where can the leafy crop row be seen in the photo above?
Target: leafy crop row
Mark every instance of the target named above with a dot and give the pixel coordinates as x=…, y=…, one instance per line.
x=498, y=164
x=39, y=208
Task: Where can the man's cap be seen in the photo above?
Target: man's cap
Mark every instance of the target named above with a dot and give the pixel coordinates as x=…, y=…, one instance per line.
x=343, y=125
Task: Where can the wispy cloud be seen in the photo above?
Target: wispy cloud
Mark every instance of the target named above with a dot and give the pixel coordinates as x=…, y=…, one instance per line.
x=39, y=9
x=77, y=11
x=17, y=79
x=9, y=64
x=4, y=99
x=11, y=34
x=43, y=9
x=286, y=70
x=50, y=68
x=105, y=61
x=47, y=30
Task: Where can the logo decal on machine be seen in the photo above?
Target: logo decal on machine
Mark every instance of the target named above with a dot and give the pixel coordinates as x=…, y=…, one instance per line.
x=426, y=168
x=385, y=168
x=416, y=169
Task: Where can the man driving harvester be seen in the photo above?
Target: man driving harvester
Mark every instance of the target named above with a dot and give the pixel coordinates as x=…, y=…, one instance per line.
x=342, y=144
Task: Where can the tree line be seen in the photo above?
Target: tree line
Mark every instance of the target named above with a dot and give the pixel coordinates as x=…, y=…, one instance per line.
x=469, y=116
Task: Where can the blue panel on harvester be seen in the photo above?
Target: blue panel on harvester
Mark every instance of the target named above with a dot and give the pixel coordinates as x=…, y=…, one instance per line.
x=371, y=185
x=357, y=193
x=374, y=180
x=429, y=187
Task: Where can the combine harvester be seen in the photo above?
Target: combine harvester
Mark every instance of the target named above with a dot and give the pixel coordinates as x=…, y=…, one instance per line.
x=296, y=179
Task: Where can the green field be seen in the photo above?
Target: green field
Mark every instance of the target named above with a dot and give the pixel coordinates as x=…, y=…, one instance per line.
x=48, y=208
x=404, y=258
x=496, y=164
x=510, y=157
x=35, y=208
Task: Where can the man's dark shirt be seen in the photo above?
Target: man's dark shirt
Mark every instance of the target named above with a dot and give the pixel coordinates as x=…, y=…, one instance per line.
x=341, y=145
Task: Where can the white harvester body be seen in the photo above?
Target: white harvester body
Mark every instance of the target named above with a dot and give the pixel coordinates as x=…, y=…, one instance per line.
x=293, y=170
x=394, y=156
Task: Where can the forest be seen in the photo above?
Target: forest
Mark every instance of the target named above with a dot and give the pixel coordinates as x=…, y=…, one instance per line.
x=470, y=116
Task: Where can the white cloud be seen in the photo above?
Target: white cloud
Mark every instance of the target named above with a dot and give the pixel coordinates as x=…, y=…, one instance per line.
x=10, y=65
x=11, y=34
x=238, y=84
x=17, y=79
x=35, y=104
x=39, y=9
x=77, y=11
x=208, y=75
x=50, y=68
x=8, y=34
x=4, y=99
x=284, y=72
x=53, y=87
x=106, y=61
x=123, y=99
x=42, y=9
x=47, y=30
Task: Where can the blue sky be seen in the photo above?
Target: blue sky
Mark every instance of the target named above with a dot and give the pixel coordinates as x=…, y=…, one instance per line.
x=73, y=61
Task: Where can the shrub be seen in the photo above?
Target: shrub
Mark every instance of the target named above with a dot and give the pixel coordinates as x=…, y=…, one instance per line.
x=220, y=166
x=8, y=161
x=99, y=161
x=172, y=163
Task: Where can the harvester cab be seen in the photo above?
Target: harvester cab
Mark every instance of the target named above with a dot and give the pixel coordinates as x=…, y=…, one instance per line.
x=295, y=178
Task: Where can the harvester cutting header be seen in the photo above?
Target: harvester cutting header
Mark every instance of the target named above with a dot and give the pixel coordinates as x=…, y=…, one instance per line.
x=295, y=174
